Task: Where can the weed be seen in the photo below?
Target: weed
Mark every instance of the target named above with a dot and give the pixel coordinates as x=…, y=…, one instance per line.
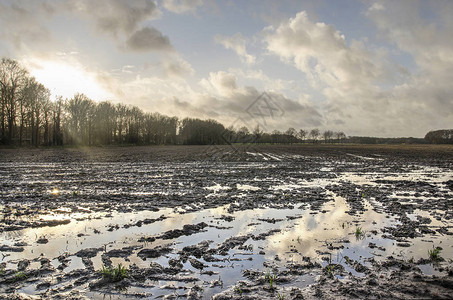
x=271, y=278
x=281, y=296
x=114, y=274
x=330, y=269
x=20, y=276
x=359, y=233
x=434, y=254
x=238, y=289
x=347, y=259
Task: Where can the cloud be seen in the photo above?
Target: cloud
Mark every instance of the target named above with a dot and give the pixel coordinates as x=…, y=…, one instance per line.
x=425, y=97
x=148, y=39
x=22, y=24
x=366, y=92
x=221, y=83
x=220, y=97
x=181, y=6
x=424, y=39
x=177, y=67
x=258, y=77
x=321, y=51
x=123, y=20
x=227, y=99
x=116, y=16
x=345, y=74
x=237, y=44
x=376, y=7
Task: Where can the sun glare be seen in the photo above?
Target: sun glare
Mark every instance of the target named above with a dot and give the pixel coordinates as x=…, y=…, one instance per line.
x=64, y=79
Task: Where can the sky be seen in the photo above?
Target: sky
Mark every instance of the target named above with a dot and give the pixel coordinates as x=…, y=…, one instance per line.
x=367, y=68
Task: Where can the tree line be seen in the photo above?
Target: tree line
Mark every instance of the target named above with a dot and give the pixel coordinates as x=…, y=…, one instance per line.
x=29, y=117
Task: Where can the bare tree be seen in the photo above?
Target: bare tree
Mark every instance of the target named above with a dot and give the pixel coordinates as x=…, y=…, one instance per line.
x=12, y=80
x=340, y=136
x=328, y=134
x=291, y=134
x=257, y=133
x=79, y=110
x=303, y=134
x=314, y=133
x=57, y=112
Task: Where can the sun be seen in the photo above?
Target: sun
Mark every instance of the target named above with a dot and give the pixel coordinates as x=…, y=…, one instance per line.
x=65, y=79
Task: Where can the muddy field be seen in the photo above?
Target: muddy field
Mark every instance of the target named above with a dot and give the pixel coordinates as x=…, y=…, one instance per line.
x=266, y=222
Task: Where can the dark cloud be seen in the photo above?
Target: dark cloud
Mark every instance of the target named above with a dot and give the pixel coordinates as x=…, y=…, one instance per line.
x=148, y=39
x=116, y=16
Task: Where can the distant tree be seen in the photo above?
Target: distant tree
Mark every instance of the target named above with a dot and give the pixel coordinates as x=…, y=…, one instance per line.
x=328, y=134
x=314, y=133
x=229, y=135
x=291, y=135
x=444, y=136
x=201, y=132
x=12, y=80
x=257, y=133
x=80, y=113
x=57, y=116
x=276, y=136
x=242, y=134
x=340, y=136
x=303, y=134
x=104, y=123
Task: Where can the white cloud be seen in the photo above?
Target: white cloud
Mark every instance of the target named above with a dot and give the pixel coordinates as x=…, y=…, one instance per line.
x=367, y=93
x=177, y=67
x=221, y=83
x=181, y=6
x=425, y=99
x=376, y=7
x=321, y=51
x=237, y=44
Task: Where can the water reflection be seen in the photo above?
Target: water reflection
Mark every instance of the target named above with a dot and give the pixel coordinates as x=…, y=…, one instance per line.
x=325, y=231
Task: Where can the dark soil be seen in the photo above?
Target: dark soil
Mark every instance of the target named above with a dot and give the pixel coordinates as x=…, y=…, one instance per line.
x=408, y=185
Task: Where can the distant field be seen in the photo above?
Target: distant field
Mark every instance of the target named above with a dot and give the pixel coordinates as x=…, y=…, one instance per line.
x=221, y=152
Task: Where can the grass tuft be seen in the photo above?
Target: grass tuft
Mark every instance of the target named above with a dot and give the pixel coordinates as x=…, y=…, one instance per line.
x=359, y=233
x=270, y=278
x=20, y=276
x=238, y=289
x=434, y=254
x=330, y=270
x=114, y=274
